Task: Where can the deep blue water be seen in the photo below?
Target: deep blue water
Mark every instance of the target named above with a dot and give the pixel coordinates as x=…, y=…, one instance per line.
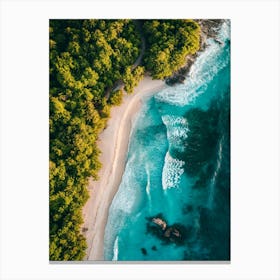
x=178, y=166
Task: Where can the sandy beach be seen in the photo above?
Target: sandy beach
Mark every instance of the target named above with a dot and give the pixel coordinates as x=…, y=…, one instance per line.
x=113, y=144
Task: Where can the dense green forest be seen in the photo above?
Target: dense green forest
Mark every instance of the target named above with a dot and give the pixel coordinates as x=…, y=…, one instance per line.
x=168, y=44
x=88, y=58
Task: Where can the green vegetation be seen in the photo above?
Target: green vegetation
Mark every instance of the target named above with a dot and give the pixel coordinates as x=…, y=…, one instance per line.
x=132, y=78
x=169, y=42
x=88, y=58
x=116, y=97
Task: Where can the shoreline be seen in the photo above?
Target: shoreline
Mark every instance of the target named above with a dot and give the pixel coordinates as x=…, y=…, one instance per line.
x=113, y=143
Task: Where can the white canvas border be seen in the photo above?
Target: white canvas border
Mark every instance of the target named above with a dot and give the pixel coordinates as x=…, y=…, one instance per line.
x=255, y=138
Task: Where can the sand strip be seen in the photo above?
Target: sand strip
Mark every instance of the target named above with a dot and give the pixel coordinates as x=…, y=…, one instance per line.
x=113, y=143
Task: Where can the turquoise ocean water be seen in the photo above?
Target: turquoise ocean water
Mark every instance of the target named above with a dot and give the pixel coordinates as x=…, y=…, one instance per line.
x=178, y=165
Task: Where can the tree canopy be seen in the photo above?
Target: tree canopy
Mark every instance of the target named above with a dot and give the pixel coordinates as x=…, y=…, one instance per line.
x=169, y=42
x=87, y=59
x=132, y=77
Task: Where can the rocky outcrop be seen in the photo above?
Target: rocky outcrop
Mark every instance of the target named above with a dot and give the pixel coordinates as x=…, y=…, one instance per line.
x=158, y=226
x=171, y=231
x=209, y=29
x=144, y=251
x=159, y=222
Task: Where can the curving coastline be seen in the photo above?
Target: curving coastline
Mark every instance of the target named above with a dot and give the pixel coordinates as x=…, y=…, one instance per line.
x=113, y=143
x=177, y=170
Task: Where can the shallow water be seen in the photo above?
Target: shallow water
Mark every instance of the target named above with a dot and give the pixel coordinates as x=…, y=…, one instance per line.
x=178, y=165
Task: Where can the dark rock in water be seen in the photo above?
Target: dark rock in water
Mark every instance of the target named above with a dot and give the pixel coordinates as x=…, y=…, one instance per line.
x=178, y=233
x=154, y=248
x=209, y=29
x=160, y=222
x=167, y=233
x=175, y=233
x=172, y=232
x=175, y=79
x=144, y=251
x=157, y=222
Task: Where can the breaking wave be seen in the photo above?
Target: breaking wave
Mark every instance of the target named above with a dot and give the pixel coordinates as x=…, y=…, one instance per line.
x=160, y=137
x=177, y=131
x=205, y=68
x=172, y=172
x=116, y=249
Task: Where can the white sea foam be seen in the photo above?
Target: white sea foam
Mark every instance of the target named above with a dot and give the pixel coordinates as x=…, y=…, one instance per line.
x=148, y=186
x=121, y=207
x=124, y=199
x=177, y=131
x=172, y=172
x=224, y=32
x=173, y=120
x=112, y=229
x=201, y=73
x=116, y=249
